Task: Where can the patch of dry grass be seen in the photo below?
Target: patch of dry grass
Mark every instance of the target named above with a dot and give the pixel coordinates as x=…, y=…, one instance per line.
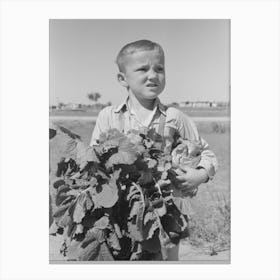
x=209, y=222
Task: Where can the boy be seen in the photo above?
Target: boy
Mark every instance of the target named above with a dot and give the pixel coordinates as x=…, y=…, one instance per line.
x=142, y=73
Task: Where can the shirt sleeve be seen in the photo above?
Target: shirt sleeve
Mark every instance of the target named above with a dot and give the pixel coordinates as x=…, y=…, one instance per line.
x=102, y=124
x=208, y=160
x=187, y=129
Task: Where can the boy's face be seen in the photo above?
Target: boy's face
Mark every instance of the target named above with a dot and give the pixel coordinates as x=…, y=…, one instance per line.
x=144, y=74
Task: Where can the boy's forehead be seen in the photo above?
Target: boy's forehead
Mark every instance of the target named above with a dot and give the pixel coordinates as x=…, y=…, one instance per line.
x=143, y=56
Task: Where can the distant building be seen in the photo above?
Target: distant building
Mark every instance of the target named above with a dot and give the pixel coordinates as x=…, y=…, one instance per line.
x=202, y=104
x=70, y=106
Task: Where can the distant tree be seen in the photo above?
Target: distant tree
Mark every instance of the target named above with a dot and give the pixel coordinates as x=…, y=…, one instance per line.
x=94, y=96
x=60, y=105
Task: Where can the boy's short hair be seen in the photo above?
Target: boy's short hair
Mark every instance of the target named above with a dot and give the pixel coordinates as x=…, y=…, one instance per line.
x=130, y=48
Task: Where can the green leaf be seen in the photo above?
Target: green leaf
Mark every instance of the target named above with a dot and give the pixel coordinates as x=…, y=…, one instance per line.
x=152, y=163
x=152, y=245
x=151, y=224
x=134, y=223
x=68, y=132
x=135, y=218
x=74, y=192
x=108, y=197
x=79, y=211
x=121, y=157
x=60, y=211
x=146, y=179
x=89, y=253
x=58, y=183
x=102, y=223
x=104, y=254
x=65, y=220
x=88, y=202
x=110, y=134
x=137, y=252
x=53, y=229
x=76, y=149
x=85, y=154
x=113, y=241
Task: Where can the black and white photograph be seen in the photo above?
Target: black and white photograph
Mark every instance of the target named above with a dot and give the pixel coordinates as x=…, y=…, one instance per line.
x=139, y=140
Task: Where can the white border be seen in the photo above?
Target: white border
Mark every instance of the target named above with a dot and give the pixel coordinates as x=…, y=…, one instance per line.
x=255, y=137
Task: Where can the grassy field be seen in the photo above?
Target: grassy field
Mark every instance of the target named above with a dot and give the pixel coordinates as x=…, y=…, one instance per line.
x=209, y=211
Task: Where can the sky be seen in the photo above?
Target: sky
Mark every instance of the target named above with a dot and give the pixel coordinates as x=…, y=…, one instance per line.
x=83, y=52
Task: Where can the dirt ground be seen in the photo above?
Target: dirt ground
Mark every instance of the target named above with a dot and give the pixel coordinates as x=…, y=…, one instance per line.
x=185, y=252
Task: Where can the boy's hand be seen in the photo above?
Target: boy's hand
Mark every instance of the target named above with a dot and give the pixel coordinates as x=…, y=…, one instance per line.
x=190, y=179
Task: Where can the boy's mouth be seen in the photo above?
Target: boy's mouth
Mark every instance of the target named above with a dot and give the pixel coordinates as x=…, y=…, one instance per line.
x=152, y=85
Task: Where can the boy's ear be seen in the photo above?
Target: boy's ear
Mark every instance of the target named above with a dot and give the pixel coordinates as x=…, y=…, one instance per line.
x=122, y=80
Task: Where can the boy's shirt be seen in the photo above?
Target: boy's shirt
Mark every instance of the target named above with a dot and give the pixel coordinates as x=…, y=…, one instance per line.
x=110, y=117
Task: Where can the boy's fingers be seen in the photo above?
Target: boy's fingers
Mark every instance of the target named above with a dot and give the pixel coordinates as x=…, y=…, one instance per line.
x=181, y=177
x=185, y=168
x=185, y=184
x=190, y=193
x=180, y=171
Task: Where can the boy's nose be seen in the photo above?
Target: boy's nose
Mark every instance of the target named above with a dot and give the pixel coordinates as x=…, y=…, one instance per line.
x=152, y=74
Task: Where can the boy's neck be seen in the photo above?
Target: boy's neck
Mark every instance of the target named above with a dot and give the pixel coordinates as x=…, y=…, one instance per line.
x=144, y=110
x=141, y=105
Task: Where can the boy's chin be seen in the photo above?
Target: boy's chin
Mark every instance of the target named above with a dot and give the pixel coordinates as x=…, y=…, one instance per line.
x=151, y=95
x=147, y=95
x=150, y=98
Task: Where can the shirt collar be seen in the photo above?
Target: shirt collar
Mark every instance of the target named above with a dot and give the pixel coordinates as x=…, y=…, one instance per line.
x=160, y=106
x=123, y=106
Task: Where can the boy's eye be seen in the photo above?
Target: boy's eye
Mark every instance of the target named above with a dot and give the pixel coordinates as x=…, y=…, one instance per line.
x=142, y=69
x=160, y=69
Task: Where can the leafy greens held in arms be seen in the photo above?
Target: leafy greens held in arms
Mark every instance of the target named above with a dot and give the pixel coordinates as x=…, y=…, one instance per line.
x=114, y=201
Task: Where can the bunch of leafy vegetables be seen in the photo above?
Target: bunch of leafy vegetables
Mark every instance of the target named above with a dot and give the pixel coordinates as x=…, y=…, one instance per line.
x=114, y=201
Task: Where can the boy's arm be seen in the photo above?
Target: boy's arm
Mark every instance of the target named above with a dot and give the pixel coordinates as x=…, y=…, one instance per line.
x=208, y=159
x=188, y=130
x=191, y=178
